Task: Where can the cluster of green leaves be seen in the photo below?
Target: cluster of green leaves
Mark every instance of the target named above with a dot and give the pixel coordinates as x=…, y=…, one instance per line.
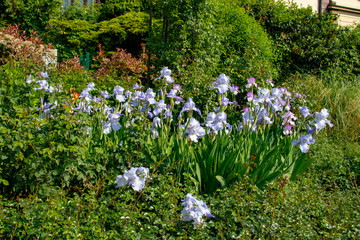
x=114, y=8
x=243, y=47
x=76, y=36
x=306, y=41
x=217, y=34
x=31, y=15
x=302, y=210
x=35, y=152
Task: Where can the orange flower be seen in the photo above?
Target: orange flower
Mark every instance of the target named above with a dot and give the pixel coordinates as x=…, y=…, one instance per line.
x=76, y=95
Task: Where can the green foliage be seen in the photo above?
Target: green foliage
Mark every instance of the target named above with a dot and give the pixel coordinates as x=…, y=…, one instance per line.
x=31, y=14
x=302, y=210
x=218, y=161
x=320, y=44
x=71, y=37
x=337, y=164
x=31, y=155
x=127, y=30
x=220, y=35
x=79, y=11
x=306, y=41
x=246, y=49
x=339, y=94
x=115, y=8
x=260, y=156
x=38, y=150
x=74, y=37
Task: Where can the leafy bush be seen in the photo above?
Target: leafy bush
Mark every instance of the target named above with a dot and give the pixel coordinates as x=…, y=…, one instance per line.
x=127, y=30
x=30, y=52
x=73, y=37
x=122, y=68
x=220, y=35
x=79, y=11
x=306, y=41
x=115, y=8
x=31, y=15
x=248, y=52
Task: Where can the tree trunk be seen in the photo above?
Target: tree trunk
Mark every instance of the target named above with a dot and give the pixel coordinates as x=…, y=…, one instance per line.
x=164, y=29
x=147, y=49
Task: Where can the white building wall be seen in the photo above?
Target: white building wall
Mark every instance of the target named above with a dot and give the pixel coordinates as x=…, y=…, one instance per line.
x=346, y=19
x=314, y=4
x=347, y=10
x=348, y=3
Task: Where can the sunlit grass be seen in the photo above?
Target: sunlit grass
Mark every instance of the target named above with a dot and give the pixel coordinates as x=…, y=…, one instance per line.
x=339, y=94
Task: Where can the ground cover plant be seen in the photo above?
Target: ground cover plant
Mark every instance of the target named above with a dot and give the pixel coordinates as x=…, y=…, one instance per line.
x=184, y=153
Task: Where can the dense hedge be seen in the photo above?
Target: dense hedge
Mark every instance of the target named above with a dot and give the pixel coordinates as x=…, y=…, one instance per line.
x=77, y=36
x=307, y=41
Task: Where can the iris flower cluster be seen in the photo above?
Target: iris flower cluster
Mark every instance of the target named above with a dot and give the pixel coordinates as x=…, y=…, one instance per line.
x=267, y=105
x=194, y=210
x=135, y=177
x=43, y=83
x=264, y=106
x=320, y=122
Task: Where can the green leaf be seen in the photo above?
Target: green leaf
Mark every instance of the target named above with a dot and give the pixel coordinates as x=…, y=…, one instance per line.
x=5, y=182
x=221, y=180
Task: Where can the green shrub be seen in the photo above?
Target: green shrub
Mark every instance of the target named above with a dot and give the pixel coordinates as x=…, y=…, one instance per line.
x=31, y=15
x=126, y=31
x=219, y=38
x=306, y=41
x=79, y=11
x=115, y=8
x=248, y=52
x=74, y=37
